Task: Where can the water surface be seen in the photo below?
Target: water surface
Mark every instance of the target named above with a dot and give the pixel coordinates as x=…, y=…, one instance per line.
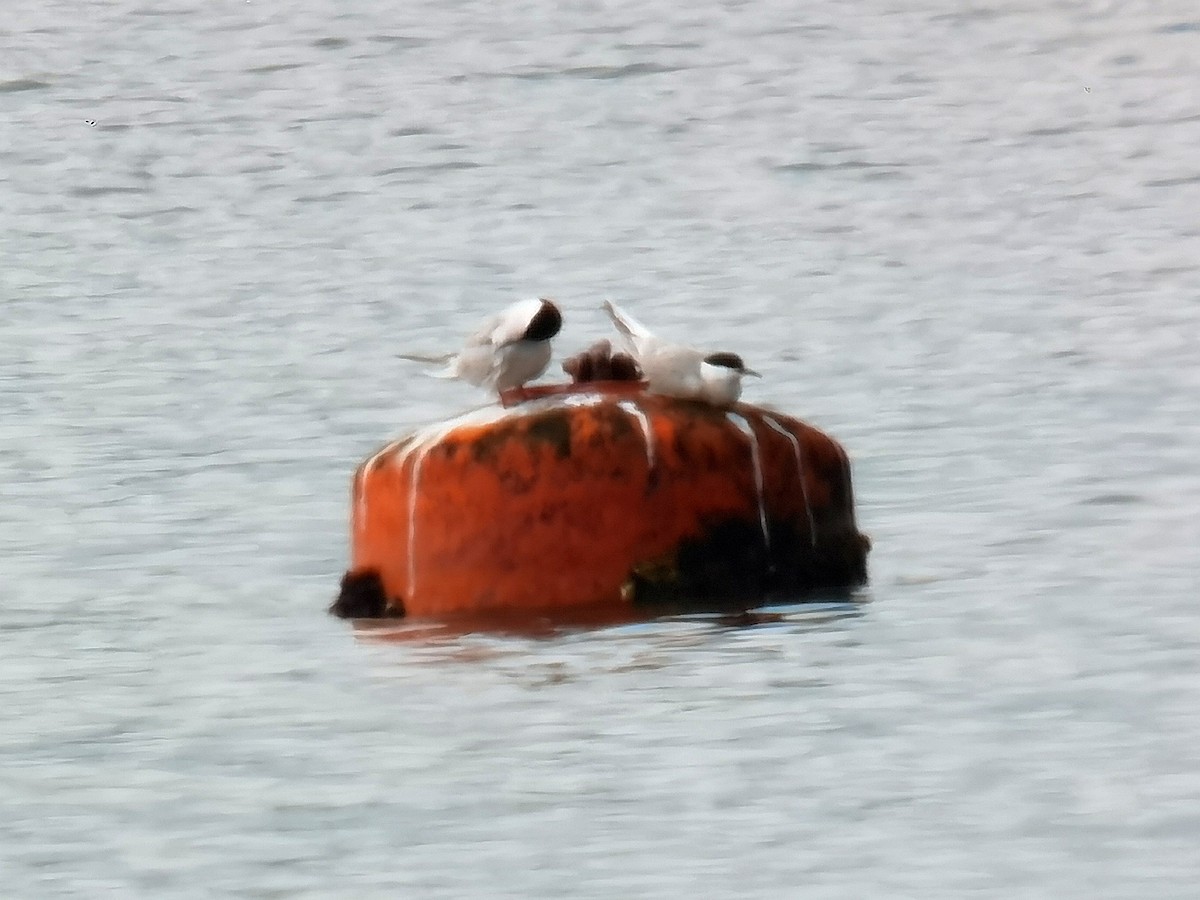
x=961, y=239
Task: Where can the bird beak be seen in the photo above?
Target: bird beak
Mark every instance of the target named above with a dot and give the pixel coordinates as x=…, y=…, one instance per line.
x=752, y=372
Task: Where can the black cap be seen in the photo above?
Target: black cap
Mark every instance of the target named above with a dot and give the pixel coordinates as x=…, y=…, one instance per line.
x=545, y=323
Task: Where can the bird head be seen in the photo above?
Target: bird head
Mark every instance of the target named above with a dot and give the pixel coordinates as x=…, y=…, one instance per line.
x=729, y=361
x=545, y=323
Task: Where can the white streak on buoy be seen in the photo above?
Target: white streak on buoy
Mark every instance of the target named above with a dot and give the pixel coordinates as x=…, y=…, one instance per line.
x=360, y=499
x=643, y=420
x=367, y=468
x=418, y=445
x=420, y=442
x=414, y=483
x=423, y=439
x=374, y=460
x=812, y=524
x=567, y=400
x=747, y=429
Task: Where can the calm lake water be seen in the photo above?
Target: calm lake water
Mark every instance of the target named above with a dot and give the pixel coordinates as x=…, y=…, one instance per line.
x=960, y=237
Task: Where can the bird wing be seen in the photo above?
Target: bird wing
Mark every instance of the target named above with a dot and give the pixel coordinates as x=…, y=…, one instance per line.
x=638, y=338
x=508, y=326
x=476, y=365
x=482, y=336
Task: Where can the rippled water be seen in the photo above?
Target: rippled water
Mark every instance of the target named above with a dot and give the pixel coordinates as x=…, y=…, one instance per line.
x=960, y=237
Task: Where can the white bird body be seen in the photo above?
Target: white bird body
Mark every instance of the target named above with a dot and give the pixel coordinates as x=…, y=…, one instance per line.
x=678, y=370
x=507, y=351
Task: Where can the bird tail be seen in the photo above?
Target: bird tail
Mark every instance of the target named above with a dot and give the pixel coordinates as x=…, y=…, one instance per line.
x=426, y=358
x=446, y=360
x=634, y=332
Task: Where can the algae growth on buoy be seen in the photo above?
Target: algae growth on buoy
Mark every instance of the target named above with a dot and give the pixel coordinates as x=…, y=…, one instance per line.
x=599, y=495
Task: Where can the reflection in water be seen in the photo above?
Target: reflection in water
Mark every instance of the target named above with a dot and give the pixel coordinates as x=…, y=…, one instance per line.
x=821, y=608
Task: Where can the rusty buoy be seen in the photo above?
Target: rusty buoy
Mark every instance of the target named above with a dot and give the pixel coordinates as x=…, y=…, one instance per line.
x=599, y=495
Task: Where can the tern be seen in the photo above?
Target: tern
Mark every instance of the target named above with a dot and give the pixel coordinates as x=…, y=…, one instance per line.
x=678, y=370
x=508, y=350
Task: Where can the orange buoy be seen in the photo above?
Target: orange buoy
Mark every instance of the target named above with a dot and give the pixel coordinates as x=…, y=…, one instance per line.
x=599, y=495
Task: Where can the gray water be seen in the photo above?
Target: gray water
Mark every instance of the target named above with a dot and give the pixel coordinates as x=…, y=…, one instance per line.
x=960, y=237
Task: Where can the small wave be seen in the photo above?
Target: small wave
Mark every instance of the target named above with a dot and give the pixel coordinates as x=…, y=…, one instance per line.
x=105, y=190
x=275, y=67
x=868, y=171
x=260, y=168
x=399, y=41
x=456, y=165
x=661, y=45
x=410, y=131
x=335, y=197
x=849, y=164
x=156, y=213
x=1179, y=28
x=1111, y=500
x=1173, y=182
x=22, y=84
x=1051, y=131
x=593, y=73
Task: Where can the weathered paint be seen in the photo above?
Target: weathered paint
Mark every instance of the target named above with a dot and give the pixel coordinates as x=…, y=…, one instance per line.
x=603, y=496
